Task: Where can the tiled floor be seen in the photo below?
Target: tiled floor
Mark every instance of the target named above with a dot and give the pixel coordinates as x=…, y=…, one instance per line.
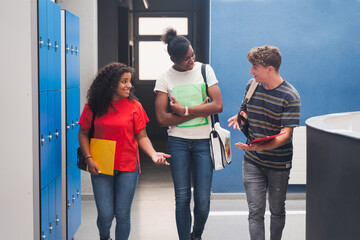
x=153, y=213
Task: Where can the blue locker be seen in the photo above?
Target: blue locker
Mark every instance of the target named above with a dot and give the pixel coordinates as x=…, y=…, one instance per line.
x=73, y=200
x=44, y=144
x=76, y=72
x=69, y=129
x=43, y=49
x=51, y=134
x=50, y=41
x=58, y=208
x=57, y=47
x=52, y=215
x=45, y=213
x=57, y=134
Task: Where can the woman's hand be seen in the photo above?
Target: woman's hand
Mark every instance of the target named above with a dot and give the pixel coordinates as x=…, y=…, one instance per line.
x=176, y=107
x=92, y=167
x=160, y=158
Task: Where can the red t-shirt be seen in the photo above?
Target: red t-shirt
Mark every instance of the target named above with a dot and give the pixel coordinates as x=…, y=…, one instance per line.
x=121, y=126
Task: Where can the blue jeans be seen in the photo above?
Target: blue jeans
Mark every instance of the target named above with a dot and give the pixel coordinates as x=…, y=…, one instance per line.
x=113, y=197
x=191, y=156
x=256, y=181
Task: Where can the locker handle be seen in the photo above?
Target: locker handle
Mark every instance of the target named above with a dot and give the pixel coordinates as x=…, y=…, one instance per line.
x=43, y=236
x=49, y=44
x=72, y=50
x=77, y=51
x=68, y=205
x=50, y=228
x=56, y=46
x=42, y=140
x=50, y=137
x=73, y=124
x=57, y=220
x=77, y=193
x=57, y=134
x=68, y=127
x=67, y=48
x=73, y=198
x=41, y=42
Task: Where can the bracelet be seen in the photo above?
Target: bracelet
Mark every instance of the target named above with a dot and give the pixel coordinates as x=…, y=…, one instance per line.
x=88, y=157
x=186, y=111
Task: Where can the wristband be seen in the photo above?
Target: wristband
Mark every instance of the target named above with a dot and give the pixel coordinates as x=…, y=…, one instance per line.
x=88, y=157
x=186, y=111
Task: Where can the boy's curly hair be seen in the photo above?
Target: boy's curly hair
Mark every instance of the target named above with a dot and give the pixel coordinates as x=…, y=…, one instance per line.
x=265, y=56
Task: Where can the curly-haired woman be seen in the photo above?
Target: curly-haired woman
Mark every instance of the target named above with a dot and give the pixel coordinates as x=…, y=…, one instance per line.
x=188, y=141
x=118, y=117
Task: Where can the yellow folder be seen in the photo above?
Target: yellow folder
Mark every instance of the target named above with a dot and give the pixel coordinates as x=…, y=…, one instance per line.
x=103, y=153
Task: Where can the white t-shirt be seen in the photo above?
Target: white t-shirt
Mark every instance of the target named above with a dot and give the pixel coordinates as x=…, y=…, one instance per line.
x=172, y=78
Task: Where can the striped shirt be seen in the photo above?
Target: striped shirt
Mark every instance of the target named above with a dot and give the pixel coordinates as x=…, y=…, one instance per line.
x=268, y=112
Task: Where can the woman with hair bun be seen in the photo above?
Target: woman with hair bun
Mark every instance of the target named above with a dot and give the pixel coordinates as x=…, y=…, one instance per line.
x=188, y=131
x=119, y=117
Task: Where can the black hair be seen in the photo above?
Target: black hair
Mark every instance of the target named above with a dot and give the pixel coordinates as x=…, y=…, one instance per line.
x=102, y=89
x=177, y=46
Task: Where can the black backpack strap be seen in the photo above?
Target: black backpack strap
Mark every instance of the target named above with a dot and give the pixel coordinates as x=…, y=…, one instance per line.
x=214, y=117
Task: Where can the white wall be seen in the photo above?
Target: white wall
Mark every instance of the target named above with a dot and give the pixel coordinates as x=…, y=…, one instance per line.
x=19, y=182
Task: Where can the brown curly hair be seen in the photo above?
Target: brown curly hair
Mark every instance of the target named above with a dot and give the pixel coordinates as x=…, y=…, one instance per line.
x=265, y=56
x=100, y=93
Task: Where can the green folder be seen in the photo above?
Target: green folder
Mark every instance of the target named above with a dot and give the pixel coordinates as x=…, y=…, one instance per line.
x=191, y=95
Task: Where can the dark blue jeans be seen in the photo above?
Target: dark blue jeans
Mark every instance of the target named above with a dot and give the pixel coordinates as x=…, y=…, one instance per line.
x=191, y=156
x=256, y=180
x=113, y=197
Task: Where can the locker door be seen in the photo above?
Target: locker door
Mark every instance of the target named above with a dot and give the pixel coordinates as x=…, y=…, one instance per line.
x=51, y=134
x=45, y=213
x=52, y=215
x=43, y=45
x=58, y=209
x=57, y=47
x=44, y=145
x=70, y=208
x=77, y=52
x=57, y=133
x=50, y=42
x=70, y=130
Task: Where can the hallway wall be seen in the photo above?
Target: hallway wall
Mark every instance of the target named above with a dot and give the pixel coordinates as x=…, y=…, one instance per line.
x=320, y=44
x=19, y=145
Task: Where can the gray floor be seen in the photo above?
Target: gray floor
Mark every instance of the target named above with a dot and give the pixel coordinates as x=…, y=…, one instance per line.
x=153, y=213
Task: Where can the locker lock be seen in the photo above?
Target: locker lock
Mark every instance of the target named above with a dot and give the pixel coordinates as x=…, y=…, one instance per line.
x=49, y=44
x=57, y=220
x=41, y=42
x=50, y=137
x=67, y=48
x=57, y=133
x=42, y=140
x=73, y=124
x=72, y=50
x=56, y=46
x=43, y=236
x=77, y=192
x=73, y=198
x=77, y=51
x=67, y=127
x=68, y=205
x=51, y=228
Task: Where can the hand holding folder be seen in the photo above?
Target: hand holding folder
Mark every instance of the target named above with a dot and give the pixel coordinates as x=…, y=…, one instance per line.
x=103, y=153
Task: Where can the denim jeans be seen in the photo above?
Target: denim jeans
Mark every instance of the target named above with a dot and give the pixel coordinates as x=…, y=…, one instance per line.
x=256, y=181
x=191, y=156
x=113, y=197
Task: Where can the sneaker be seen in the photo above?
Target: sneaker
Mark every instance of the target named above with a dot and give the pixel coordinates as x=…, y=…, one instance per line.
x=193, y=237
